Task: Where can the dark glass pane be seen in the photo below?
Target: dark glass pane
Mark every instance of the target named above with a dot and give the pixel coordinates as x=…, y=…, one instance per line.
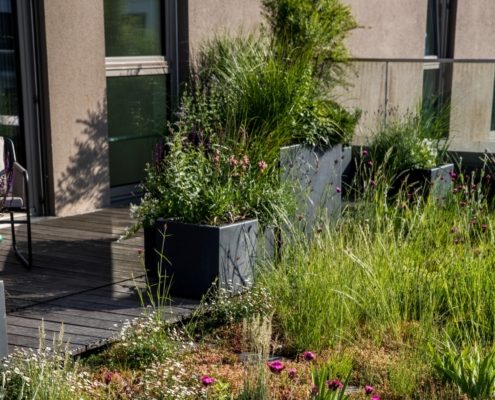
x=9, y=100
x=431, y=41
x=431, y=89
x=133, y=28
x=137, y=114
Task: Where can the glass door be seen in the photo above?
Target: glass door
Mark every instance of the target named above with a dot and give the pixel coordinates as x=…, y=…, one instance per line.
x=9, y=85
x=19, y=92
x=138, y=65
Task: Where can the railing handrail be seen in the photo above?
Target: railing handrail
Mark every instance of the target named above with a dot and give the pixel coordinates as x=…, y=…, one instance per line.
x=425, y=60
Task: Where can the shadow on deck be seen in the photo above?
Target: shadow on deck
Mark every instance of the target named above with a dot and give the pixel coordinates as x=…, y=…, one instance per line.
x=82, y=277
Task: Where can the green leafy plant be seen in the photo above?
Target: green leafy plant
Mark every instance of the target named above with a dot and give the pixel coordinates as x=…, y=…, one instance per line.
x=210, y=184
x=412, y=141
x=472, y=372
x=312, y=28
x=326, y=386
x=275, y=91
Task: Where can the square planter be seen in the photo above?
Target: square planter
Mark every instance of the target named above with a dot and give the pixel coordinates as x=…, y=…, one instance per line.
x=197, y=256
x=317, y=174
x=434, y=182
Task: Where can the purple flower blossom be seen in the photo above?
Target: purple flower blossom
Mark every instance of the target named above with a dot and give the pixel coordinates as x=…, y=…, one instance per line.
x=368, y=389
x=338, y=189
x=292, y=373
x=365, y=153
x=207, y=380
x=453, y=175
x=334, y=384
x=314, y=391
x=376, y=397
x=275, y=366
x=309, y=356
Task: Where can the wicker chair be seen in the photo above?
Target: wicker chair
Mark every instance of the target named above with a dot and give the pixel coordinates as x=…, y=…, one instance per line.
x=14, y=196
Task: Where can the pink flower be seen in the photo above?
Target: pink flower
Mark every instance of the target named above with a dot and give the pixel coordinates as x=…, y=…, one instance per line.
x=334, y=384
x=314, y=391
x=216, y=156
x=245, y=161
x=207, y=380
x=275, y=366
x=233, y=161
x=292, y=373
x=262, y=165
x=309, y=356
x=453, y=175
x=376, y=397
x=365, y=153
x=338, y=189
x=368, y=389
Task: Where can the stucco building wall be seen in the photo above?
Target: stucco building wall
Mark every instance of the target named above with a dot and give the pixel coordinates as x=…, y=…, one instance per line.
x=77, y=137
x=473, y=83
x=388, y=29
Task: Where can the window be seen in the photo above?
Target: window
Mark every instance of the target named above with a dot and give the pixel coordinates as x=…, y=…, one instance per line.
x=9, y=99
x=431, y=37
x=139, y=50
x=439, y=44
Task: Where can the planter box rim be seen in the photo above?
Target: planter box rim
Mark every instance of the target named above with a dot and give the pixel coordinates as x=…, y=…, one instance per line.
x=441, y=166
x=219, y=227
x=317, y=147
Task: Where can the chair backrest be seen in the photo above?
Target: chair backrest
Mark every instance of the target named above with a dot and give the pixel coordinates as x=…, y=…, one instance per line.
x=7, y=159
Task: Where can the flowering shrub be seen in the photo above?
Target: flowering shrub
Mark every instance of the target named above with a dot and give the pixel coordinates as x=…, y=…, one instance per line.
x=415, y=140
x=210, y=184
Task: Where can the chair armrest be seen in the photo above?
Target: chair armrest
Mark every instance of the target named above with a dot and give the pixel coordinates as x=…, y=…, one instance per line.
x=20, y=183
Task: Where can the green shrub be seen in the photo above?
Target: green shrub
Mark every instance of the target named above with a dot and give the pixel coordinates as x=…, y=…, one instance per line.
x=385, y=266
x=414, y=140
x=210, y=184
x=471, y=372
x=312, y=28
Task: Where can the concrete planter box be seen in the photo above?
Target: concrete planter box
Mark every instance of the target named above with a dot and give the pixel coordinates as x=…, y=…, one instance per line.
x=197, y=256
x=317, y=175
x=436, y=182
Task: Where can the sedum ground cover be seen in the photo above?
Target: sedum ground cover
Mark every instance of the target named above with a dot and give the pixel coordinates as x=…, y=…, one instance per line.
x=395, y=300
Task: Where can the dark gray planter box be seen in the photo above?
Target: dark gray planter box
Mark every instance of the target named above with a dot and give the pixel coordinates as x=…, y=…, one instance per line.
x=197, y=256
x=436, y=182
x=317, y=177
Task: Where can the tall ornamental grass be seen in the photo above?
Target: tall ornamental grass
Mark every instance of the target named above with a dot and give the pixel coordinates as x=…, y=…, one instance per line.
x=388, y=270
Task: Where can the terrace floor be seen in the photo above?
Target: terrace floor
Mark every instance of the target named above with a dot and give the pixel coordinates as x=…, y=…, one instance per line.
x=82, y=278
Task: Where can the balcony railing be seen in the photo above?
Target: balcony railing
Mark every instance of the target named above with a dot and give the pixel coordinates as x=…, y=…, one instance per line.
x=384, y=89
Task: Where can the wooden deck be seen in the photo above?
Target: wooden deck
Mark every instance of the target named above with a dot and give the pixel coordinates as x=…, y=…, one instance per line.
x=82, y=277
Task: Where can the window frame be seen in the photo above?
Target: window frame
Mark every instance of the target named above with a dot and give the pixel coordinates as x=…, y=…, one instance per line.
x=164, y=64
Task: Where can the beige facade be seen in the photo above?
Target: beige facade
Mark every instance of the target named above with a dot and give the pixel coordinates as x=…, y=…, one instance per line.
x=76, y=127
x=395, y=29
x=208, y=18
x=473, y=83
x=75, y=75
x=388, y=28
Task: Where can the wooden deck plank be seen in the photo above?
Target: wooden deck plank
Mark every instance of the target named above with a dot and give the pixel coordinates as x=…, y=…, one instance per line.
x=83, y=277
